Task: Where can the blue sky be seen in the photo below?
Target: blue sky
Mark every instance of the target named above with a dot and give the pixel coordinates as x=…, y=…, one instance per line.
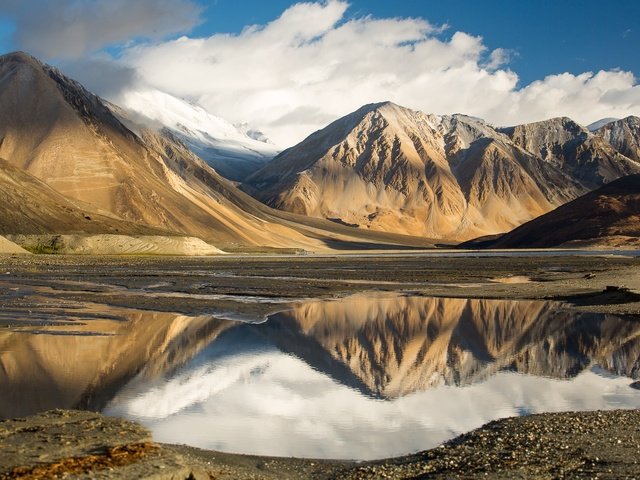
x=306, y=64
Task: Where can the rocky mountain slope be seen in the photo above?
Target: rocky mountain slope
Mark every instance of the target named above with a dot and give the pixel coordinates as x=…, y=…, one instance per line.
x=623, y=135
x=570, y=147
x=56, y=131
x=385, y=167
x=29, y=206
x=608, y=216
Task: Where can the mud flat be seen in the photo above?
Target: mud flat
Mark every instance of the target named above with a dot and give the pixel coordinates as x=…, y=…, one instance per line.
x=258, y=285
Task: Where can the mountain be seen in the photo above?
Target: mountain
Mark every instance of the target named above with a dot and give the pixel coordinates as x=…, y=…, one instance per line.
x=29, y=206
x=608, y=216
x=53, y=129
x=38, y=218
x=570, y=147
x=58, y=132
x=623, y=135
x=234, y=152
x=385, y=167
x=389, y=168
x=592, y=127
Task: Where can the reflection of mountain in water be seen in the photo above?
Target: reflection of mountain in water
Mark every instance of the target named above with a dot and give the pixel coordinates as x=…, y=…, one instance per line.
x=385, y=345
x=84, y=365
x=393, y=345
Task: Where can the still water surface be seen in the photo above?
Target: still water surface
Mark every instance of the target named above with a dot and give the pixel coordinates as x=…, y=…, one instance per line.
x=367, y=376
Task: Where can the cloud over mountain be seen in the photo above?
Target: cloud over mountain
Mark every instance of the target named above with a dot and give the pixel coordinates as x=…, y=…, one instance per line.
x=315, y=63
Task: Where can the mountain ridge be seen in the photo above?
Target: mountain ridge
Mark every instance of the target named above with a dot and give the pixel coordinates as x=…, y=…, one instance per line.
x=385, y=167
x=608, y=216
x=389, y=168
x=59, y=133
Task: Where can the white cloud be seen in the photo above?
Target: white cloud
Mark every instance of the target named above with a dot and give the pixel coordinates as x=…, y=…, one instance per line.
x=72, y=28
x=313, y=64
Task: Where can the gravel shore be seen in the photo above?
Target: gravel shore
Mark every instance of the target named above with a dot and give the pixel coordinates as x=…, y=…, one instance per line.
x=73, y=444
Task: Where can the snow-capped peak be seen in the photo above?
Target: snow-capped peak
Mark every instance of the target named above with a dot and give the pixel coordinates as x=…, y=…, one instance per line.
x=234, y=152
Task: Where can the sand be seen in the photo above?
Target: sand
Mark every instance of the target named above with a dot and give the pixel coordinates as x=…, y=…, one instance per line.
x=116, y=245
x=7, y=246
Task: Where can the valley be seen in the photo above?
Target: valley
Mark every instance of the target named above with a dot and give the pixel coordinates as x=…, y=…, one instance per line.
x=389, y=297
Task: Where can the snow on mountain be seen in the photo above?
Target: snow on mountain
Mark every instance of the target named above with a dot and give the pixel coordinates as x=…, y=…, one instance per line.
x=246, y=129
x=592, y=127
x=234, y=152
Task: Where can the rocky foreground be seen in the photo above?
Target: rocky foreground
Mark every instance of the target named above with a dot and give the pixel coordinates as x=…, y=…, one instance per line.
x=75, y=444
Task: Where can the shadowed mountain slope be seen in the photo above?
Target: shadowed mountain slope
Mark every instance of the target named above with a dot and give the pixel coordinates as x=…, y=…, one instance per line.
x=608, y=216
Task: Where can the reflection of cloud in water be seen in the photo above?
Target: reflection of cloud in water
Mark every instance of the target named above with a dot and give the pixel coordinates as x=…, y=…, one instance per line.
x=270, y=403
x=369, y=375
x=381, y=374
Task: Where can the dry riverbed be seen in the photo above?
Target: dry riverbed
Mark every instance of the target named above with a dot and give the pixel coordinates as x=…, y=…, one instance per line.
x=259, y=285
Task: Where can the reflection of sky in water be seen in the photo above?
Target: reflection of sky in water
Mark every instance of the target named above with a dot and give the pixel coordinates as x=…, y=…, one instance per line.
x=366, y=376
x=242, y=394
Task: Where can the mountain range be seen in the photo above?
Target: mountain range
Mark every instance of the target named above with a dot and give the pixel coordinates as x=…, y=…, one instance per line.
x=72, y=163
x=76, y=158
x=389, y=168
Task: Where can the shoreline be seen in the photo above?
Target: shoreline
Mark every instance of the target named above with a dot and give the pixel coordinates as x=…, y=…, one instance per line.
x=79, y=444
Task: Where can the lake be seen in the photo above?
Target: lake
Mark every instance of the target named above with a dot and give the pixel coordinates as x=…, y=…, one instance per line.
x=366, y=376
